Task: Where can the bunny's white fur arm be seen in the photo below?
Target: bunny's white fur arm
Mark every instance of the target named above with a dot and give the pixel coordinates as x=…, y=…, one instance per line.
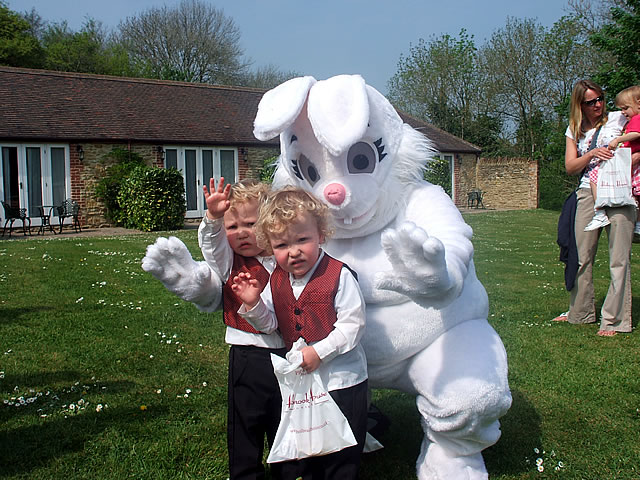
x=170, y=261
x=429, y=248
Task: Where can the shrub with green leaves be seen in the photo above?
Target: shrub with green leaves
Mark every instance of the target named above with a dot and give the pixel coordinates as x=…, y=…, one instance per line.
x=268, y=169
x=438, y=172
x=108, y=187
x=153, y=199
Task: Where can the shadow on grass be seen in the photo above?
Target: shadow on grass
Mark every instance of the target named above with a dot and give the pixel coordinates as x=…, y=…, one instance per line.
x=45, y=393
x=39, y=378
x=521, y=433
x=27, y=448
x=401, y=439
x=635, y=311
x=11, y=315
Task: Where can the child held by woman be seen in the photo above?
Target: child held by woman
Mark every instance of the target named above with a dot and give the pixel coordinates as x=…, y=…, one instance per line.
x=628, y=101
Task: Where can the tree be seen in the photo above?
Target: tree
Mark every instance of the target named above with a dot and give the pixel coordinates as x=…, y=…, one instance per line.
x=566, y=58
x=36, y=23
x=86, y=51
x=266, y=77
x=438, y=81
x=193, y=42
x=620, y=40
x=513, y=56
x=18, y=45
x=590, y=15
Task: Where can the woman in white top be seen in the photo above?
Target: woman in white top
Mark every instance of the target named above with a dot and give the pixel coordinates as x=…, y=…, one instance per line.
x=587, y=117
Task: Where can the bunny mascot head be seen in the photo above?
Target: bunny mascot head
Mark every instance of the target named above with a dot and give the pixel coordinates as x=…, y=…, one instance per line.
x=427, y=332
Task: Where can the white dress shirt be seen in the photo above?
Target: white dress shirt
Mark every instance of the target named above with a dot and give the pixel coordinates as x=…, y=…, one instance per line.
x=343, y=360
x=219, y=256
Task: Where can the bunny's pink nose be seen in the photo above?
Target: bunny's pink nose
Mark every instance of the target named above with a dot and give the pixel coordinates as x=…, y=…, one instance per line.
x=335, y=193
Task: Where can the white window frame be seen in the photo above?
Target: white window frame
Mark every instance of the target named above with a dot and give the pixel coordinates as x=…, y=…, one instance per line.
x=201, y=207
x=451, y=157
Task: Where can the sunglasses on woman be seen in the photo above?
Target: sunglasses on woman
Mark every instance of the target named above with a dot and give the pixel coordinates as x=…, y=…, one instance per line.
x=592, y=103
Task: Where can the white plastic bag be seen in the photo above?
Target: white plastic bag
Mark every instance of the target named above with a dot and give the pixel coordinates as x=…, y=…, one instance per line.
x=614, y=180
x=311, y=424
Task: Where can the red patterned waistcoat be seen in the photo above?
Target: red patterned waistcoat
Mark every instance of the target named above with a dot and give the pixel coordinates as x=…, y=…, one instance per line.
x=230, y=302
x=313, y=314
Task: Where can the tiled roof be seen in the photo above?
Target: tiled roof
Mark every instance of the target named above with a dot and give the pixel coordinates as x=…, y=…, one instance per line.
x=45, y=105
x=444, y=141
x=39, y=104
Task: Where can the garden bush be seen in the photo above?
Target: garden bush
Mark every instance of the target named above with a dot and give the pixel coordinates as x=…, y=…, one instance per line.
x=153, y=199
x=268, y=169
x=438, y=172
x=108, y=187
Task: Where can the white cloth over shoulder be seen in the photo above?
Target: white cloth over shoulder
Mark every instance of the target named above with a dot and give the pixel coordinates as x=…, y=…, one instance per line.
x=610, y=130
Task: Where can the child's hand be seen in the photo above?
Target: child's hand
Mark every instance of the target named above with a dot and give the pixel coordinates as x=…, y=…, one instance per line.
x=217, y=198
x=310, y=359
x=613, y=143
x=247, y=289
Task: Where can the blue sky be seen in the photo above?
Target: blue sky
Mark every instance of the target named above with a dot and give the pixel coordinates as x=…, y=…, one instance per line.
x=327, y=37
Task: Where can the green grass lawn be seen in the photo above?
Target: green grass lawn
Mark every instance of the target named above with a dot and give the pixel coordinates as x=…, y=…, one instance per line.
x=104, y=374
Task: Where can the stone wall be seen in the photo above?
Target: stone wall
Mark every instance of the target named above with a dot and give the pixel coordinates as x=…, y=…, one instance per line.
x=507, y=183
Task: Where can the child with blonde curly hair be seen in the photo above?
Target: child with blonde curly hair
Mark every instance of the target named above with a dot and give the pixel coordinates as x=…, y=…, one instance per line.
x=316, y=297
x=628, y=101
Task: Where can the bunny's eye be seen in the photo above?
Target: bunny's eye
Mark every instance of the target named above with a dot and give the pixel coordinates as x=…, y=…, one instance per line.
x=308, y=170
x=361, y=158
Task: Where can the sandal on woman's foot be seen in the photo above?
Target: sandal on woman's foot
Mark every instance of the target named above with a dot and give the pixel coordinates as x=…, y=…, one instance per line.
x=607, y=333
x=563, y=317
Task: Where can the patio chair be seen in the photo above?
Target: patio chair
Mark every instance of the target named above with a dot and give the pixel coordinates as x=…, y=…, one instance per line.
x=69, y=209
x=474, y=199
x=11, y=214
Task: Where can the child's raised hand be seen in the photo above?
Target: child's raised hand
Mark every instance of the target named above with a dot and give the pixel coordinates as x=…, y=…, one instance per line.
x=217, y=198
x=310, y=359
x=247, y=289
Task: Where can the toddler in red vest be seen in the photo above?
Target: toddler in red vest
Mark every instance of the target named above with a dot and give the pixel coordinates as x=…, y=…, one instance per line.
x=316, y=297
x=228, y=243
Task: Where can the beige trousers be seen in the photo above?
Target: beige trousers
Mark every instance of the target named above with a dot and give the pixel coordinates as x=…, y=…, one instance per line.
x=616, y=309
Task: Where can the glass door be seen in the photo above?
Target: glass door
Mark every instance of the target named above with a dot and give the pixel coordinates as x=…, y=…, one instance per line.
x=198, y=165
x=10, y=179
x=34, y=176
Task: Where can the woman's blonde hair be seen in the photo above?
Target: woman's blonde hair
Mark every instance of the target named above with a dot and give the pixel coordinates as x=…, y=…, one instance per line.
x=282, y=208
x=248, y=190
x=628, y=96
x=576, y=118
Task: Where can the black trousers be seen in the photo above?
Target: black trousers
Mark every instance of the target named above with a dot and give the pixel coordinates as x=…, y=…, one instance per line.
x=342, y=465
x=254, y=405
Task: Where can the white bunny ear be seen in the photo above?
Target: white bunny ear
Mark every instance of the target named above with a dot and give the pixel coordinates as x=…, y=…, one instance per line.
x=338, y=110
x=280, y=106
x=384, y=120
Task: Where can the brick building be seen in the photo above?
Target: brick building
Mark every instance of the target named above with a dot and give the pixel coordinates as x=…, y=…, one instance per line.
x=56, y=130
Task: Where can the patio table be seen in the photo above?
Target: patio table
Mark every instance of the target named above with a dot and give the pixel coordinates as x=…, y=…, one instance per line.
x=44, y=213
